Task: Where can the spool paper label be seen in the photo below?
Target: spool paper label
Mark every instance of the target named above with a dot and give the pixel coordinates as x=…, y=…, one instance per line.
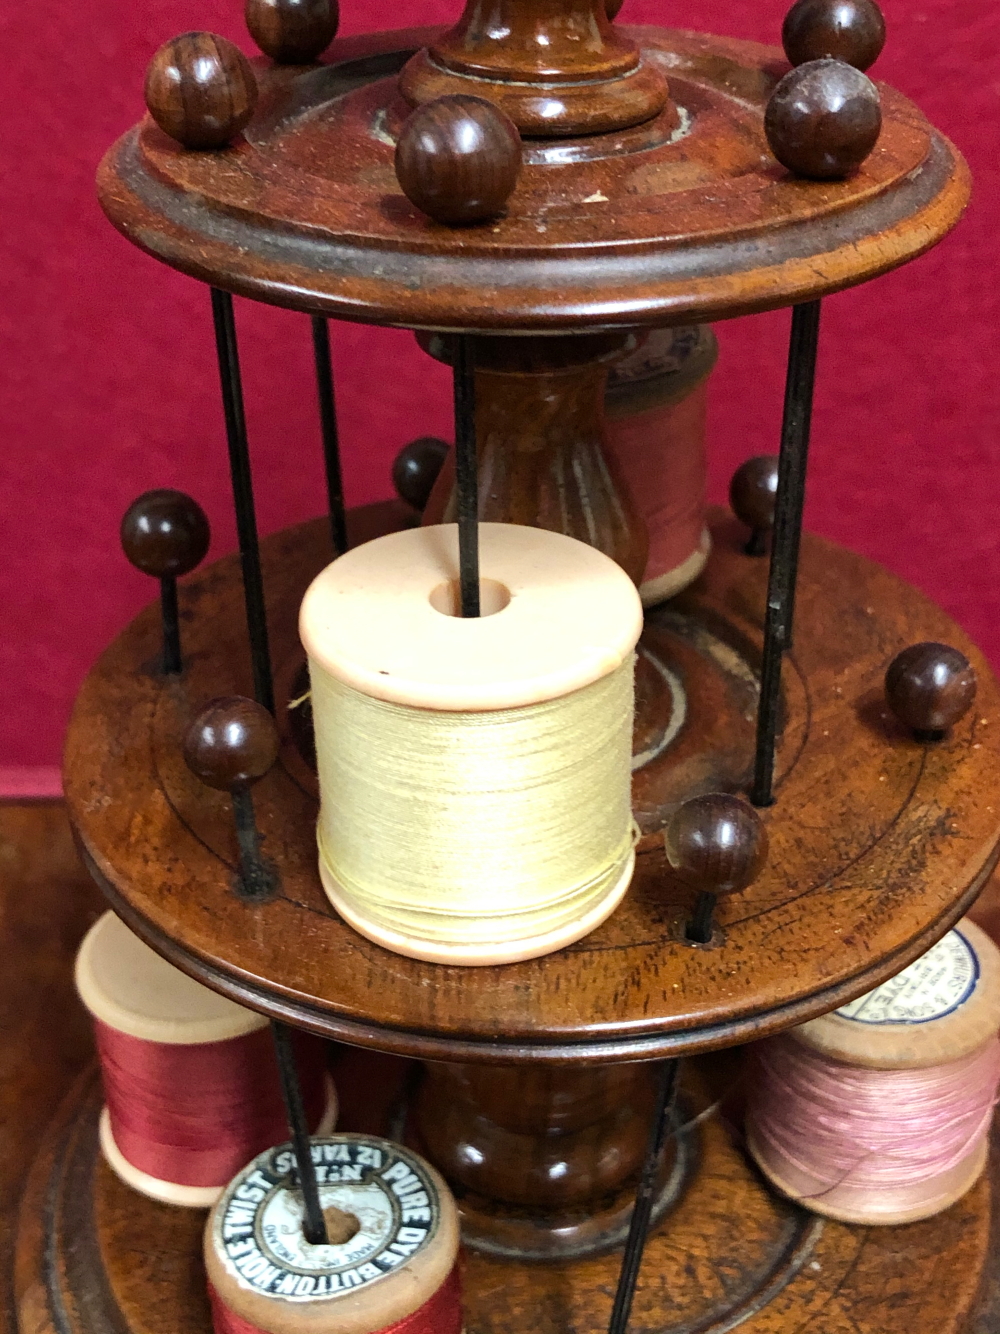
x=932, y=986
x=382, y=1193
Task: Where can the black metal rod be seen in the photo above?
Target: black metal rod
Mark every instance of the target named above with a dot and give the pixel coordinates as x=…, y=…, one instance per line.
x=171, y=626
x=467, y=475
x=314, y=1224
x=257, y=876
x=328, y=427
x=699, y=929
x=246, y=517
x=644, y=1198
x=783, y=572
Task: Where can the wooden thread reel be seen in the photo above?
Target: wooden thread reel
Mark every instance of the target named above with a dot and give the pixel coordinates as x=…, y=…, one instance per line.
x=837, y=1112
x=474, y=773
x=390, y=1266
x=655, y=406
x=190, y=1079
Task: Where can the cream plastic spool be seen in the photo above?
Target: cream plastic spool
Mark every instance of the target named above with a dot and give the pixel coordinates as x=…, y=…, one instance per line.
x=925, y=1016
x=129, y=987
x=380, y=620
x=246, y=1270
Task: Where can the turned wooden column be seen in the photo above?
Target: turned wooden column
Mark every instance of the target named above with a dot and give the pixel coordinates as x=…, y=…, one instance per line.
x=541, y=440
x=543, y=1160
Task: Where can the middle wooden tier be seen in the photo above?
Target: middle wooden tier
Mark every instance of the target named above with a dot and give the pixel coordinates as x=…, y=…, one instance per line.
x=878, y=843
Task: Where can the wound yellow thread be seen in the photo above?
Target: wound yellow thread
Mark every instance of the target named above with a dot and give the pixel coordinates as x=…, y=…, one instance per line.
x=475, y=829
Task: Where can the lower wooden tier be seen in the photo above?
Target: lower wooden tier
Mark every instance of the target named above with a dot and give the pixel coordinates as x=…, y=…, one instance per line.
x=95, y=1258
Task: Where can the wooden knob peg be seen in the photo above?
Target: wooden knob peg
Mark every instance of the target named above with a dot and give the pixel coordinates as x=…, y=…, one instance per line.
x=292, y=32
x=929, y=687
x=232, y=742
x=752, y=494
x=612, y=7
x=823, y=119
x=165, y=533
x=718, y=845
x=200, y=90
x=416, y=469
x=849, y=30
x=458, y=159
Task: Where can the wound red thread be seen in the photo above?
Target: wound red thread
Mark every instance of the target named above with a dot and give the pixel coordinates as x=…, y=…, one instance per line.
x=194, y=1115
x=442, y=1314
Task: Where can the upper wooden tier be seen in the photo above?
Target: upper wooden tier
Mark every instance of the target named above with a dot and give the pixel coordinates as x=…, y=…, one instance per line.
x=878, y=843
x=654, y=224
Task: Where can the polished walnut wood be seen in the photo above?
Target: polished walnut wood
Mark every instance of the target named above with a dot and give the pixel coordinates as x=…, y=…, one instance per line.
x=200, y=90
x=752, y=495
x=901, y=835
x=231, y=742
x=165, y=533
x=930, y=687
x=848, y=30
x=556, y=67
x=415, y=469
x=542, y=443
x=823, y=120
x=458, y=159
x=650, y=225
x=292, y=32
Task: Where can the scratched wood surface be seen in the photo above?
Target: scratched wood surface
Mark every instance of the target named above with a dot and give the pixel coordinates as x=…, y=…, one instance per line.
x=636, y=226
x=877, y=843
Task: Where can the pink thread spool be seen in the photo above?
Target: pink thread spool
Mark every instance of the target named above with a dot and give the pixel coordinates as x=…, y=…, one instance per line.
x=390, y=1265
x=190, y=1079
x=655, y=412
x=880, y=1112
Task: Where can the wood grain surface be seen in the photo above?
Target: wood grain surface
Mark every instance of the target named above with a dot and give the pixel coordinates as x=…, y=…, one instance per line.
x=877, y=843
x=648, y=225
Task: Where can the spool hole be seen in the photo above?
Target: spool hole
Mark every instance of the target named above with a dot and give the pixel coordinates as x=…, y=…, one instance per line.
x=340, y=1226
x=447, y=597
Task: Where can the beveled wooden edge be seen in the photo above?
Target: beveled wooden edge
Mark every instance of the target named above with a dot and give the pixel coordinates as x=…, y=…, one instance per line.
x=434, y=1047
x=377, y=284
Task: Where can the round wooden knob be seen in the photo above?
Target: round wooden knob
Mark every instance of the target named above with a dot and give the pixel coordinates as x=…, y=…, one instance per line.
x=823, y=119
x=612, y=7
x=929, y=687
x=165, y=533
x=232, y=742
x=848, y=30
x=200, y=90
x=292, y=32
x=458, y=159
x=416, y=469
x=716, y=843
x=753, y=490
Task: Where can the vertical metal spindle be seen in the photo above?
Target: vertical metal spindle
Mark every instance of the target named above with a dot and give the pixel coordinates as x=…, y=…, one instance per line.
x=643, y=1209
x=785, y=543
x=314, y=1224
x=467, y=475
x=172, y=662
x=246, y=517
x=328, y=427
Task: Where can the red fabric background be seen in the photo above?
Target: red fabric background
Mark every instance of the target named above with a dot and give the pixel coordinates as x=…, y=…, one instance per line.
x=108, y=384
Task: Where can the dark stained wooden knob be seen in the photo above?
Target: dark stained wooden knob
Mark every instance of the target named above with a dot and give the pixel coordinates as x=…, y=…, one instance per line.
x=165, y=533
x=848, y=30
x=458, y=159
x=232, y=742
x=200, y=90
x=823, y=119
x=416, y=469
x=292, y=32
x=612, y=7
x=929, y=687
x=716, y=843
x=752, y=494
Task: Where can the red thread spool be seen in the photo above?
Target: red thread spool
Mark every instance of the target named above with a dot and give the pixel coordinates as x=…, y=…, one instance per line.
x=655, y=411
x=190, y=1080
x=390, y=1266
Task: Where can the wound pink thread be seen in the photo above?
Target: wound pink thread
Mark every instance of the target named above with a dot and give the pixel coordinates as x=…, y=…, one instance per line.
x=875, y=1130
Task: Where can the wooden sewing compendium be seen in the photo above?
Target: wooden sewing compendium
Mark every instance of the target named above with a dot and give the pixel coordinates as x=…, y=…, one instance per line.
x=627, y=181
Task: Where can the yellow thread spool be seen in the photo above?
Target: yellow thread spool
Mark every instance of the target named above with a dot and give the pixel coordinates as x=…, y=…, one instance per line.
x=474, y=774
